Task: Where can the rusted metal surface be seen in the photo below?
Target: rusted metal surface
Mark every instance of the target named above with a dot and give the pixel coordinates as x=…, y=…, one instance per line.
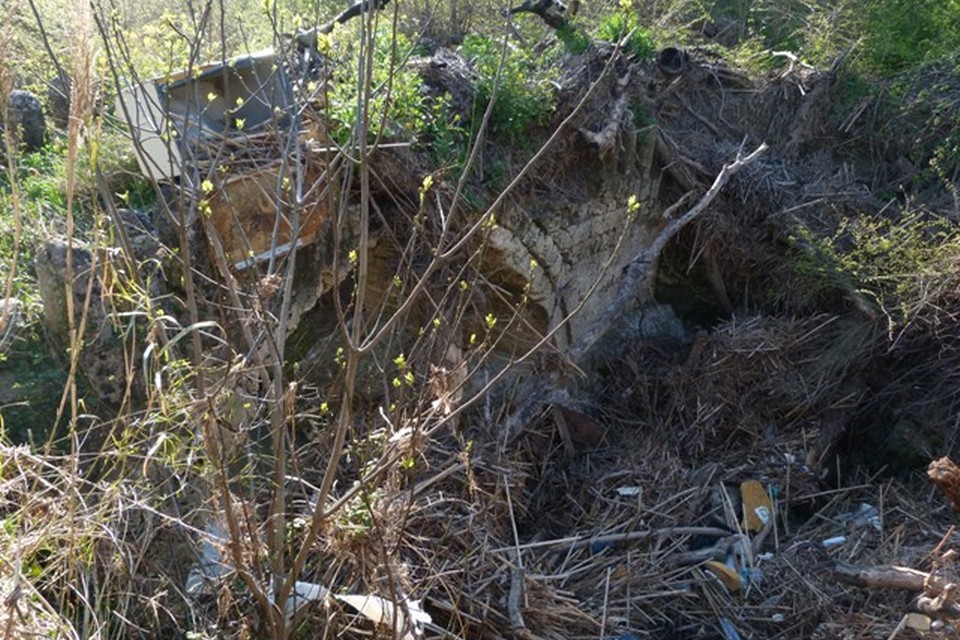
x=248, y=208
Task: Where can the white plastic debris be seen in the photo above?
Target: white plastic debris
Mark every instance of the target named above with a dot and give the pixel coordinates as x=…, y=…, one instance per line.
x=211, y=566
x=382, y=611
x=378, y=610
x=628, y=492
x=868, y=516
x=763, y=513
x=303, y=594
x=835, y=541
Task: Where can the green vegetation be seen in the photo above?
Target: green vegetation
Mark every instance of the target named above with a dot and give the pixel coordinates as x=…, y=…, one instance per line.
x=573, y=38
x=396, y=105
x=899, y=35
x=524, y=97
x=903, y=267
x=30, y=372
x=624, y=23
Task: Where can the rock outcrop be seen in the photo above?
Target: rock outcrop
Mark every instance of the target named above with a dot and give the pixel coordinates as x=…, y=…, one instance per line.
x=25, y=115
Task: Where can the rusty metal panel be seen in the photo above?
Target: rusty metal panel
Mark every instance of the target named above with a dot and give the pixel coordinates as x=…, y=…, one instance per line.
x=247, y=208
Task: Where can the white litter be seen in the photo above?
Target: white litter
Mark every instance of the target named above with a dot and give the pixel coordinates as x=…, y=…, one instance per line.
x=212, y=566
x=835, y=541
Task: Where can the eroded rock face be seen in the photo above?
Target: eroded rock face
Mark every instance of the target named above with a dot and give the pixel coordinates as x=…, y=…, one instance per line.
x=25, y=115
x=58, y=101
x=102, y=363
x=105, y=359
x=10, y=317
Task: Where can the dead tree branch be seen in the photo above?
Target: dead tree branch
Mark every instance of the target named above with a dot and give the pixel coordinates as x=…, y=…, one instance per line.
x=308, y=37
x=938, y=597
x=639, y=274
x=45, y=39
x=888, y=577
x=550, y=11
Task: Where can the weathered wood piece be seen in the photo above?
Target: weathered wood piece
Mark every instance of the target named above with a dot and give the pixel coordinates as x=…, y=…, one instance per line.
x=938, y=597
x=308, y=37
x=946, y=475
x=550, y=11
x=888, y=577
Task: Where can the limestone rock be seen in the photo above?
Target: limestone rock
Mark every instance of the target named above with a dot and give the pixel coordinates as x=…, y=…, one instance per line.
x=58, y=101
x=11, y=311
x=26, y=119
x=102, y=362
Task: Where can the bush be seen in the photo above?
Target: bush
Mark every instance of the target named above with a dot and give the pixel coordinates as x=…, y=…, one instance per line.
x=624, y=23
x=574, y=40
x=898, y=35
x=398, y=106
x=395, y=103
x=524, y=95
x=905, y=266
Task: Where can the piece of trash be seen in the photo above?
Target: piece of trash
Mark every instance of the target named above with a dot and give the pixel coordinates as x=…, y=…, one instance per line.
x=729, y=631
x=766, y=557
x=835, y=541
x=211, y=566
x=673, y=61
x=184, y=123
x=303, y=594
x=918, y=622
x=204, y=107
x=866, y=515
x=763, y=513
x=757, y=506
x=778, y=618
x=384, y=612
x=628, y=492
x=372, y=607
x=727, y=576
x=750, y=577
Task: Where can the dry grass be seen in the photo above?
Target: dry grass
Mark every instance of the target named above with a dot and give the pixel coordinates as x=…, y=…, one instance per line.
x=554, y=538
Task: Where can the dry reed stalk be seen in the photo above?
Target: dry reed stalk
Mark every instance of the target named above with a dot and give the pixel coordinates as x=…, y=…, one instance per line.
x=9, y=151
x=81, y=103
